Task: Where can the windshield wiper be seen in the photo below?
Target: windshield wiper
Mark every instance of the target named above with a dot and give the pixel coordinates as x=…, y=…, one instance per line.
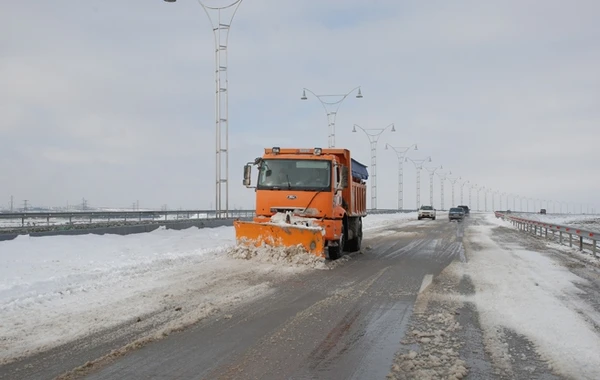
x=289, y=183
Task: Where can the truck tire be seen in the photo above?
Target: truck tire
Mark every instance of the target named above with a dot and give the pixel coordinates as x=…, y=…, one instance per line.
x=355, y=244
x=335, y=253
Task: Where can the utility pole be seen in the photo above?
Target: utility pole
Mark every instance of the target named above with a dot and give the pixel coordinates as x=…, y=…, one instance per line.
x=443, y=177
x=373, y=135
x=418, y=166
x=453, y=182
x=431, y=172
x=401, y=155
x=470, y=189
x=25, y=205
x=221, y=25
x=83, y=204
x=478, y=190
x=462, y=188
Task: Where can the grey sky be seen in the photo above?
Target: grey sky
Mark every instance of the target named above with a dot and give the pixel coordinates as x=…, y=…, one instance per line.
x=113, y=101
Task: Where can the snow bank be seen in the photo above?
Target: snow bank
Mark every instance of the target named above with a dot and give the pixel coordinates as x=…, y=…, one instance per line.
x=536, y=297
x=55, y=289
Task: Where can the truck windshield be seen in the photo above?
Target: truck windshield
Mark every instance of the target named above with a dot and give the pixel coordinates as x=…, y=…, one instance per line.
x=284, y=174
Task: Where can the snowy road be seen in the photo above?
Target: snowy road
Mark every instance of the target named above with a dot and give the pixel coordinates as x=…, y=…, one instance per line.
x=172, y=304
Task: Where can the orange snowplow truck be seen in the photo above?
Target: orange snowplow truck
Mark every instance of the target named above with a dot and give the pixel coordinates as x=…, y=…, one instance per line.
x=314, y=198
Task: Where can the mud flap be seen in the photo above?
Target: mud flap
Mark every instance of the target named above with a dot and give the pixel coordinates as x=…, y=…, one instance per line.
x=277, y=235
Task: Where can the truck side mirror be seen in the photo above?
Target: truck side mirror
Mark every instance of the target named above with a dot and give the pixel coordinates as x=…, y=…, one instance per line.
x=247, y=175
x=344, y=181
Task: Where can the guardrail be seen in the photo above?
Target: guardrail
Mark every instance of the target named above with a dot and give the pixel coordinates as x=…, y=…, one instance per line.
x=36, y=219
x=539, y=228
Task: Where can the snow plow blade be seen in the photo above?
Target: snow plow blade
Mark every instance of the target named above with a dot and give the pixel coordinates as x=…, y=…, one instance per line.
x=254, y=234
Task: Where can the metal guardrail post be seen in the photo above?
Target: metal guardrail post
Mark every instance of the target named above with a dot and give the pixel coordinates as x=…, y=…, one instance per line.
x=581, y=243
x=560, y=239
x=570, y=240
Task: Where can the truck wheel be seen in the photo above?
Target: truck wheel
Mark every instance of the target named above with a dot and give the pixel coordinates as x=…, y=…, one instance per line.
x=355, y=244
x=336, y=252
x=433, y=218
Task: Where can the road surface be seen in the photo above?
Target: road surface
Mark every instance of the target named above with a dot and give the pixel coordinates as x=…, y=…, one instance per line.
x=381, y=313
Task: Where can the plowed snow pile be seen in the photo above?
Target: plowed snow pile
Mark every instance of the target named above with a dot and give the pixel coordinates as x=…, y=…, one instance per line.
x=435, y=346
x=294, y=256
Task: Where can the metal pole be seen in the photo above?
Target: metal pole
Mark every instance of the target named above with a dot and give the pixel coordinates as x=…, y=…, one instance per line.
x=470, y=189
x=331, y=108
x=453, y=182
x=485, y=200
x=442, y=180
x=431, y=175
x=462, y=189
x=418, y=165
x=400, y=154
x=373, y=139
x=221, y=20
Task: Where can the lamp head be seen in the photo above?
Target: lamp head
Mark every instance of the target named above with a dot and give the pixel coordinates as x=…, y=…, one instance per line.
x=354, y=128
x=303, y=91
x=359, y=95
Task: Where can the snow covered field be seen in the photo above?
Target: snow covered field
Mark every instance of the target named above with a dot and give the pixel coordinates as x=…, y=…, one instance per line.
x=534, y=295
x=56, y=289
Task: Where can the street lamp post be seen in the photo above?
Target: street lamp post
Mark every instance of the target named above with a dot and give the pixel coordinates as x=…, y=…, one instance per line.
x=443, y=177
x=453, y=182
x=431, y=174
x=478, y=190
x=373, y=134
x=418, y=166
x=401, y=154
x=471, y=188
x=221, y=20
x=331, y=108
x=462, y=189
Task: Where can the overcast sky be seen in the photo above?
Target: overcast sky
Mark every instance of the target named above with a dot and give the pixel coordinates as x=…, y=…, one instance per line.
x=114, y=101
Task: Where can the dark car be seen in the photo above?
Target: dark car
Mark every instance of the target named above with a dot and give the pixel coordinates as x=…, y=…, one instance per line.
x=456, y=213
x=466, y=208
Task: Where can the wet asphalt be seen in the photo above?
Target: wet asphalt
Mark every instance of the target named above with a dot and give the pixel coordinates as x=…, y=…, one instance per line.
x=343, y=323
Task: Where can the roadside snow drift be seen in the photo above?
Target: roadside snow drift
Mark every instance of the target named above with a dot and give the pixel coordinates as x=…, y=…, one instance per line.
x=535, y=296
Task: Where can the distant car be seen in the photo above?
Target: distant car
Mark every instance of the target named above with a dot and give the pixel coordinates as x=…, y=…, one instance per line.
x=427, y=212
x=466, y=208
x=456, y=213
x=543, y=211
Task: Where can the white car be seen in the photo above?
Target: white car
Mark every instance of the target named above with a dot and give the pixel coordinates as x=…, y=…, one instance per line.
x=427, y=212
